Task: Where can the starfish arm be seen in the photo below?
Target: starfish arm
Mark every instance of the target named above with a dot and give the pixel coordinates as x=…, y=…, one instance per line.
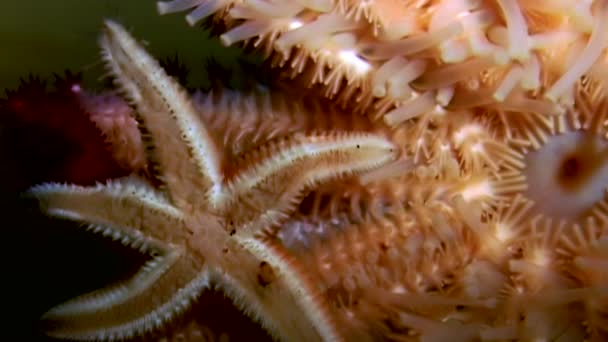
x=128, y=211
x=270, y=287
x=183, y=148
x=139, y=210
x=274, y=177
x=118, y=293
x=164, y=289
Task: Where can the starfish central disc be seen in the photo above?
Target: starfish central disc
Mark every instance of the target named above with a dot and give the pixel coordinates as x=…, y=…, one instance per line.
x=203, y=228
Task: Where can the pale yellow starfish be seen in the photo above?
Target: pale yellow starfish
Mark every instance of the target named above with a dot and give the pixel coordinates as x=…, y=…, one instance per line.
x=211, y=225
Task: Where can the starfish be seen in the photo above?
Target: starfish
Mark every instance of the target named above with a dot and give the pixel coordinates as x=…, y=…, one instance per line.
x=210, y=224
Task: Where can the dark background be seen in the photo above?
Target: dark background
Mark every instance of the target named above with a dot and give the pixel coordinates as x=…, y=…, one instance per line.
x=47, y=36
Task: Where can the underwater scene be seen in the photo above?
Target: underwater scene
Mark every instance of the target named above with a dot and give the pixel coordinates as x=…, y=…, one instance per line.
x=305, y=170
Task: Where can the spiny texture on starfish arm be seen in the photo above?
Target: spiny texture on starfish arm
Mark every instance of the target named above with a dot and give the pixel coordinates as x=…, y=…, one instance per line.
x=524, y=259
x=246, y=120
x=401, y=58
x=207, y=227
x=497, y=227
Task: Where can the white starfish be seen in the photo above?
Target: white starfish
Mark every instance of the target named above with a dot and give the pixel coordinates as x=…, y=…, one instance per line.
x=211, y=223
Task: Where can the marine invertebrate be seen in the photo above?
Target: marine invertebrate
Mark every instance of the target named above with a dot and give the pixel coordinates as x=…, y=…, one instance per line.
x=211, y=224
x=114, y=118
x=245, y=119
x=527, y=264
x=501, y=106
x=467, y=236
x=359, y=50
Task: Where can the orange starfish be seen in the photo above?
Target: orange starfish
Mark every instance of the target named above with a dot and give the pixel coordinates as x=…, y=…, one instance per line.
x=496, y=229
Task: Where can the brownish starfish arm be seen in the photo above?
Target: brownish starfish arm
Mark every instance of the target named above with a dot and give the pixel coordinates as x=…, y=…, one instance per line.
x=274, y=177
x=167, y=115
x=135, y=207
x=161, y=291
x=273, y=289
